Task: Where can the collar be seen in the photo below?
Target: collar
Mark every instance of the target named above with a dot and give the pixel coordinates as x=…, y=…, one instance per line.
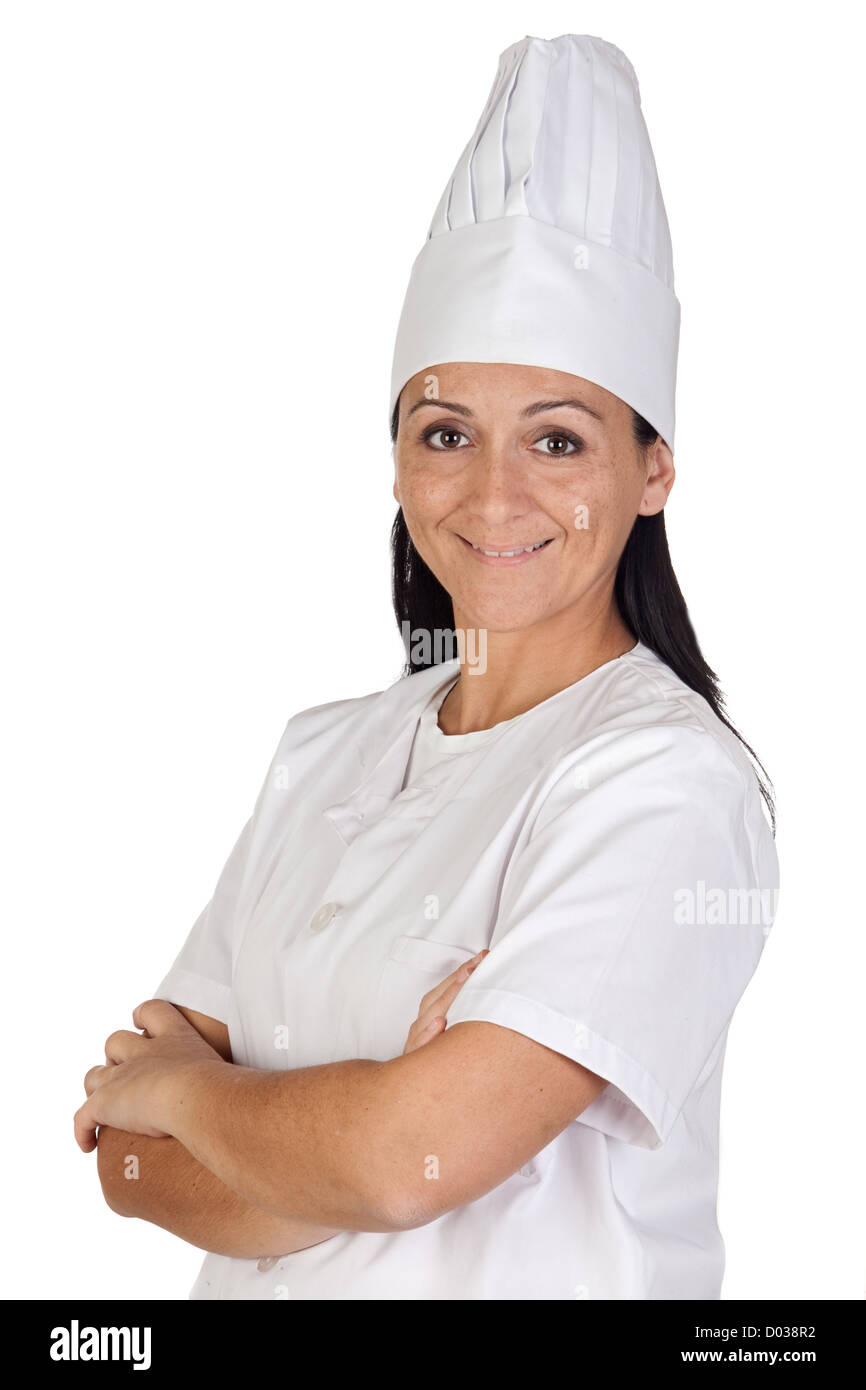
x=384, y=751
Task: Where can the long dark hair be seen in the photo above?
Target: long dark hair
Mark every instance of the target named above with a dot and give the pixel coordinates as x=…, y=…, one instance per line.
x=647, y=594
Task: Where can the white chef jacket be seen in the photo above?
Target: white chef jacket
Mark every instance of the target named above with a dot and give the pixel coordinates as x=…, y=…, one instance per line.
x=611, y=849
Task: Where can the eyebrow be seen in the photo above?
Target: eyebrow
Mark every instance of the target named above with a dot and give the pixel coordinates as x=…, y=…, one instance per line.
x=537, y=407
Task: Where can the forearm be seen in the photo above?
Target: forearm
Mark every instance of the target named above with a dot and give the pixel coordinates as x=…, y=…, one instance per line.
x=309, y=1145
x=160, y=1181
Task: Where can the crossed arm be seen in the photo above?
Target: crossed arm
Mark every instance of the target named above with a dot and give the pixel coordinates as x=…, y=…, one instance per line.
x=170, y=1188
x=263, y=1163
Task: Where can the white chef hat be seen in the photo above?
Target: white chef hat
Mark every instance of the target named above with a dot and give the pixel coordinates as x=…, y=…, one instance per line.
x=550, y=245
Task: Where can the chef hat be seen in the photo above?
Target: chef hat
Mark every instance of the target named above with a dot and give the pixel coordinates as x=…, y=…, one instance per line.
x=550, y=245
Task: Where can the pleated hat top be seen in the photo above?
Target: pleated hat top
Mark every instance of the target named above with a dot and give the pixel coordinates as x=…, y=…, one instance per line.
x=550, y=245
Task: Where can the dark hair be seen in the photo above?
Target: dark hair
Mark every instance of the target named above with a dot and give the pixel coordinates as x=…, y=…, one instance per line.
x=646, y=590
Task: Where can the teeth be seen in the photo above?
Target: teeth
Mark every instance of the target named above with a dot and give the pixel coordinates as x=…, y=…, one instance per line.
x=507, y=554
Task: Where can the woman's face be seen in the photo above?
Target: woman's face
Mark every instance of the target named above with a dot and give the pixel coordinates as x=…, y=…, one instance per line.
x=498, y=457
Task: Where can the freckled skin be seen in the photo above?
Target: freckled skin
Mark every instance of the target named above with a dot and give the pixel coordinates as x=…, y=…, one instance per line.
x=502, y=480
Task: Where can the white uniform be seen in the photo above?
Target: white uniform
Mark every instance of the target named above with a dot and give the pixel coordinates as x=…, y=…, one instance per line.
x=610, y=847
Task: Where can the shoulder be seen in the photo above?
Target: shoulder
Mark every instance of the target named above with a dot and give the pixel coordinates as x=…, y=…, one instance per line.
x=369, y=716
x=660, y=723
x=645, y=746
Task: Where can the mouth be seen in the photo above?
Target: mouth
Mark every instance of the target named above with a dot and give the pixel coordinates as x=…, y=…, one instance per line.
x=506, y=555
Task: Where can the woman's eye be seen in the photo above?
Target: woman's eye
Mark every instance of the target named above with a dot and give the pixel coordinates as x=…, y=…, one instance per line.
x=559, y=445
x=447, y=438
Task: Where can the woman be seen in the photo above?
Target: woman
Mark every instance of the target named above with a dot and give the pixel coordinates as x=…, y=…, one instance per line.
x=453, y=1024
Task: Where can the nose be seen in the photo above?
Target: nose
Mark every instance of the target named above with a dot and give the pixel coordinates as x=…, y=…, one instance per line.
x=496, y=490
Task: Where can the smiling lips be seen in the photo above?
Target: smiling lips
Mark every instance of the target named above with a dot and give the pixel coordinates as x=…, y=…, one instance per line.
x=515, y=555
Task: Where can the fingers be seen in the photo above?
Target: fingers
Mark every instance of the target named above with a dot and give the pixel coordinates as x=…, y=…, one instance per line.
x=439, y=1001
x=443, y=1001
x=451, y=982
x=122, y=1045
x=85, y=1123
x=431, y=1020
x=157, y=1016
x=93, y=1078
x=154, y=1017
x=418, y=1038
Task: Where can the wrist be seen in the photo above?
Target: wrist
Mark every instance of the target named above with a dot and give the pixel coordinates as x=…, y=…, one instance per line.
x=181, y=1093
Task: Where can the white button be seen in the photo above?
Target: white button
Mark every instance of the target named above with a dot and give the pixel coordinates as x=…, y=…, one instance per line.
x=267, y=1262
x=326, y=913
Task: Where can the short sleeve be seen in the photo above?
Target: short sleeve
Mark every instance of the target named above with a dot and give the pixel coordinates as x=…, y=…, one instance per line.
x=201, y=975
x=628, y=924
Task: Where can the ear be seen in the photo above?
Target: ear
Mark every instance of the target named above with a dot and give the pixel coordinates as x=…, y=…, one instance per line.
x=396, y=494
x=660, y=479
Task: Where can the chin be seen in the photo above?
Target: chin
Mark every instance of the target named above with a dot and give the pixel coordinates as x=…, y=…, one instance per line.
x=503, y=616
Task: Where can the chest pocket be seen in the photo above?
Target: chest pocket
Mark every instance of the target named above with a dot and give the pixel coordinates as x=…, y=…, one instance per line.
x=413, y=967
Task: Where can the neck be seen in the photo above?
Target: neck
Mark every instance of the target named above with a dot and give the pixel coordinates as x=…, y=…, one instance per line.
x=503, y=674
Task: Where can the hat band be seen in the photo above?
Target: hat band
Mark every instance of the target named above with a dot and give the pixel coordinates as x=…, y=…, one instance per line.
x=518, y=290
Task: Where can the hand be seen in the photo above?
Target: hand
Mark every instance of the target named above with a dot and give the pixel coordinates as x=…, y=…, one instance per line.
x=431, y=1020
x=132, y=1091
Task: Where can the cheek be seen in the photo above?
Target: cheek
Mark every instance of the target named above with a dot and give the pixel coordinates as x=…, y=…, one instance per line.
x=423, y=507
x=598, y=508
x=424, y=496
x=580, y=506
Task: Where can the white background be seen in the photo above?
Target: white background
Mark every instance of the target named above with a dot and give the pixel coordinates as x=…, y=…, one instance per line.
x=210, y=214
